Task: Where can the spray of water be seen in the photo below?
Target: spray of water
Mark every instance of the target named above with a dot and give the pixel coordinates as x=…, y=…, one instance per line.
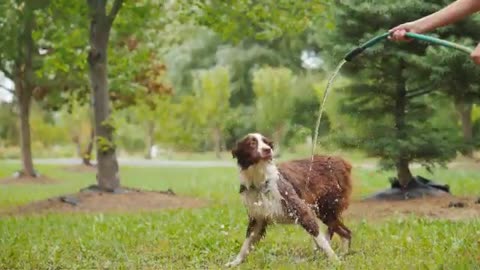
x=321, y=109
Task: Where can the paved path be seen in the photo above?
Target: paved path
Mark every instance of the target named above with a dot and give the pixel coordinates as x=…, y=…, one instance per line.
x=136, y=162
x=139, y=162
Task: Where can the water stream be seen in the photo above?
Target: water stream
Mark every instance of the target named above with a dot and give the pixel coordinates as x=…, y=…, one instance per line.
x=321, y=109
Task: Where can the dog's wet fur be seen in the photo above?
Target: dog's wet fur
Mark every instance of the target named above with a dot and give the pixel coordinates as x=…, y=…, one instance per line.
x=291, y=193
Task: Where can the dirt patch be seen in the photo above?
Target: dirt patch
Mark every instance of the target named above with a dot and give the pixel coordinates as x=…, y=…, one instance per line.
x=130, y=200
x=24, y=180
x=82, y=168
x=465, y=165
x=444, y=207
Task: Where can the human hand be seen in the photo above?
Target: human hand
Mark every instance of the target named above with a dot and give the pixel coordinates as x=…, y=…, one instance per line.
x=398, y=33
x=475, y=55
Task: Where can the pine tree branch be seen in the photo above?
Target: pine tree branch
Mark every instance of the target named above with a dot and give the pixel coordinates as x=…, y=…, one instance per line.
x=115, y=9
x=421, y=93
x=418, y=88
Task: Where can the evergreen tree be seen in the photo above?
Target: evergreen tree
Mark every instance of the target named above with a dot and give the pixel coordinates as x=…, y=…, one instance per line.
x=454, y=75
x=392, y=109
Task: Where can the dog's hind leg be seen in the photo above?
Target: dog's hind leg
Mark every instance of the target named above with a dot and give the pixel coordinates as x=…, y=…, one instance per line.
x=306, y=218
x=347, y=237
x=303, y=215
x=255, y=231
x=338, y=227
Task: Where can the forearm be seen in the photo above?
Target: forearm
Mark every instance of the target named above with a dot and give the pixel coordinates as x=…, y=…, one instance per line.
x=450, y=14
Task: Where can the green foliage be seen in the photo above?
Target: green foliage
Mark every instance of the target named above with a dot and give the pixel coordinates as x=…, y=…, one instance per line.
x=451, y=74
x=8, y=125
x=62, y=37
x=274, y=100
x=104, y=144
x=268, y=20
x=212, y=93
x=239, y=123
x=44, y=130
x=392, y=115
x=11, y=20
x=306, y=103
x=195, y=51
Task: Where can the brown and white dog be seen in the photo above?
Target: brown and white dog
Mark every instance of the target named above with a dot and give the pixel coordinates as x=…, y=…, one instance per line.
x=291, y=193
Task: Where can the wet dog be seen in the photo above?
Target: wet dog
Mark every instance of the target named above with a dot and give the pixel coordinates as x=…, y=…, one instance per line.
x=291, y=193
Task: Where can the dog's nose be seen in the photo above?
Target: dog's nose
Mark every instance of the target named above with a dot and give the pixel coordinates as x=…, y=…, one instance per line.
x=266, y=151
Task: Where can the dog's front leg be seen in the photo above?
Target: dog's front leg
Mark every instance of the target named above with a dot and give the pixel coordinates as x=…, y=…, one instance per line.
x=255, y=231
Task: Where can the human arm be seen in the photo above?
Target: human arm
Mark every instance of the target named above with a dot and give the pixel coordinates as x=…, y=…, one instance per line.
x=448, y=15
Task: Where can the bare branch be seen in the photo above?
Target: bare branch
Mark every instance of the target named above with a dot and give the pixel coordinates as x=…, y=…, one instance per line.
x=115, y=9
x=8, y=89
x=7, y=73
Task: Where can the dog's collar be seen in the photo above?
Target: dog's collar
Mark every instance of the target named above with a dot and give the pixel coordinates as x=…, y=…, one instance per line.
x=263, y=189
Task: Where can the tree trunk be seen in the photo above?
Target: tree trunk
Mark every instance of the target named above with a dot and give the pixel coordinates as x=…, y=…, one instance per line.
x=25, y=100
x=150, y=139
x=217, y=142
x=23, y=89
x=87, y=154
x=107, y=166
x=464, y=111
x=403, y=172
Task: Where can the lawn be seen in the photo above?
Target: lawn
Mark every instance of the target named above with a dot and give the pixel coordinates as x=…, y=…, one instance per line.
x=206, y=238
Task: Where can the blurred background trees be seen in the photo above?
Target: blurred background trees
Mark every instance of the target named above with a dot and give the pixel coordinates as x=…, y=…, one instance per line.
x=189, y=77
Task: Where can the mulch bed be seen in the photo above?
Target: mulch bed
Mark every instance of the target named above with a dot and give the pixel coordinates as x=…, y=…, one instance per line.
x=127, y=200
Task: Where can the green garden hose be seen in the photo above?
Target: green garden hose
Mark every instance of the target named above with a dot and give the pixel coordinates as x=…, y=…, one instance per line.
x=357, y=51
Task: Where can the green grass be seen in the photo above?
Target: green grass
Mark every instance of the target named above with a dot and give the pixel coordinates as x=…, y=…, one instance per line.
x=207, y=238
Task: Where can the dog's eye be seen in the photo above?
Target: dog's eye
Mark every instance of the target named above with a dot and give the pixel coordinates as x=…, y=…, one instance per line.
x=253, y=143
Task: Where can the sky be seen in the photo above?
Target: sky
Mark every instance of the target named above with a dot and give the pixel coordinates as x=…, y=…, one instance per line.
x=5, y=96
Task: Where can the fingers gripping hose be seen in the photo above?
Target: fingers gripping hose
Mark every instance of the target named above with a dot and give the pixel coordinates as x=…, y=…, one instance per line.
x=358, y=50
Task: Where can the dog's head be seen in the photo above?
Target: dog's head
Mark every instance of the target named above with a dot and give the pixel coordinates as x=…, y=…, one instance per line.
x=252, y=149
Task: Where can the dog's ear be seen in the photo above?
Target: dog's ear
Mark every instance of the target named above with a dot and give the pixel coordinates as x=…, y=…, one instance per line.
x=235, y=151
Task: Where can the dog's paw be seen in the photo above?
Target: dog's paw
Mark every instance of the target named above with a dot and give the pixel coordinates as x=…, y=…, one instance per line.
x=234, y=263
x=335, y=260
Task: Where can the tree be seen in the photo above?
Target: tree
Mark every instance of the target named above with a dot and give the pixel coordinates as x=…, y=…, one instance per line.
x=150, y=109
x=100, y=25
x=265, y=20
x=241, y=60
x=274, y=101
x=195, y=51
x=50, y=63
x=212, y=92
x=394, y=112
x=18, y=56
x=455, y=77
